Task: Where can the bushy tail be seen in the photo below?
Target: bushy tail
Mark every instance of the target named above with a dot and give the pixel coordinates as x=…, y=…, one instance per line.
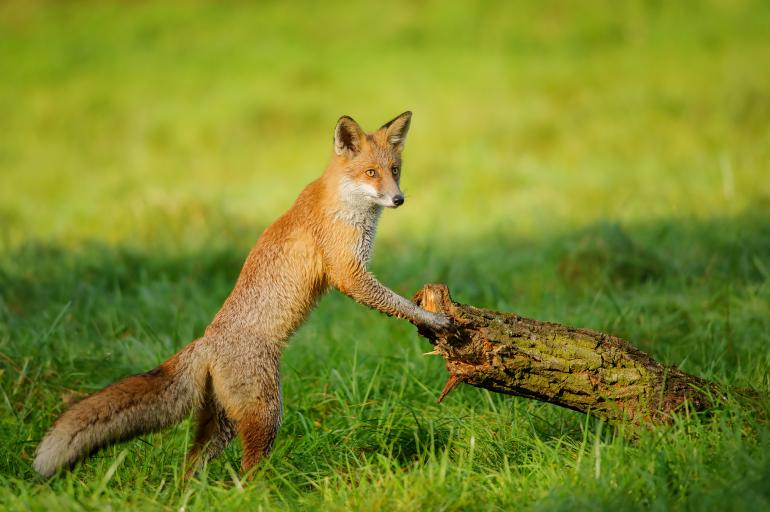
x=132, y=406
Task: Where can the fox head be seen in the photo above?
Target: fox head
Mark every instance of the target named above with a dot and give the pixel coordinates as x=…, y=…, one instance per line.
x=370, y=163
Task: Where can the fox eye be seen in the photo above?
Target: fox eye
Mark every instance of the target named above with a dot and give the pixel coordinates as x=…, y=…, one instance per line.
x=371, y=173
x=395, y=170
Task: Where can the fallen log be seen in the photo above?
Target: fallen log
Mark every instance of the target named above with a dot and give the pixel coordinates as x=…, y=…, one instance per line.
x=579, y=369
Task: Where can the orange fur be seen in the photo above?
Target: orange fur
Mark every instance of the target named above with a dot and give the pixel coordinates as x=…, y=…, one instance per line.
x=230, y=376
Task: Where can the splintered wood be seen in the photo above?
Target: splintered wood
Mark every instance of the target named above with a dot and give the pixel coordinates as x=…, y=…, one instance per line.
x=580, y=369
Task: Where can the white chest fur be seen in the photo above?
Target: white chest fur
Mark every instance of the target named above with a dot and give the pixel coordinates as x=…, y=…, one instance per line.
x=358, y=209
x=365, y=222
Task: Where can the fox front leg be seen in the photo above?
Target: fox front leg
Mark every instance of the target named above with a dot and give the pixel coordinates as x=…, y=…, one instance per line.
x=366, y=289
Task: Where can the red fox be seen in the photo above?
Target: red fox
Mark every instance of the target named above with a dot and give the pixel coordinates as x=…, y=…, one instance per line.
x=230, y=377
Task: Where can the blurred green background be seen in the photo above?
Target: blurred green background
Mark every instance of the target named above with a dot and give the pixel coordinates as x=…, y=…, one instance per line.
x=528, y=117
x=603, y=164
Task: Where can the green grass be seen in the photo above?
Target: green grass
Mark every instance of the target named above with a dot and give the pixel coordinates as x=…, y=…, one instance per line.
x=602, y=165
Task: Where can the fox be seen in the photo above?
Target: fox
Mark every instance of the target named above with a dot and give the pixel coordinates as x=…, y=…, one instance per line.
x=229, y=378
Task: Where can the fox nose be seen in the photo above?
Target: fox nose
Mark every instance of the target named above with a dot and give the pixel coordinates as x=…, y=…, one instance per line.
x=398, y=200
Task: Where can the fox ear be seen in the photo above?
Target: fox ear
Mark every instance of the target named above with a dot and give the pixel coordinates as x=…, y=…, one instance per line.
x=347, y=137
x=397, y=128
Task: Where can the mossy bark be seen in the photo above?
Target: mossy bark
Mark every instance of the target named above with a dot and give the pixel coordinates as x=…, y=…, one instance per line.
x=580, y=369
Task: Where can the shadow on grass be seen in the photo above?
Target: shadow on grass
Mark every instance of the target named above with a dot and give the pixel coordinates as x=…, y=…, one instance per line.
x=704, y=276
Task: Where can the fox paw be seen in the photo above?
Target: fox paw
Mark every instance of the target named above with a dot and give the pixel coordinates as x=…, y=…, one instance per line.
x=438, y=322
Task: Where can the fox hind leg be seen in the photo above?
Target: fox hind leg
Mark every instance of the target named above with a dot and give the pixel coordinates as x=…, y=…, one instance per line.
x=213, y=432
x=258, y=428
x=247, y=385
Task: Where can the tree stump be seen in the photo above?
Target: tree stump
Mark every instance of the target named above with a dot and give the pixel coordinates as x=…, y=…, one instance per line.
x=579, y=369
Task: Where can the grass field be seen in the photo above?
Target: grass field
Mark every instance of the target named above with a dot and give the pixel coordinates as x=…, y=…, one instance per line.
x=598, y=164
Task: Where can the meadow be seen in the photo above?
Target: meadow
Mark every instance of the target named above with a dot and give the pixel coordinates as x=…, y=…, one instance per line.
x=596, y=164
